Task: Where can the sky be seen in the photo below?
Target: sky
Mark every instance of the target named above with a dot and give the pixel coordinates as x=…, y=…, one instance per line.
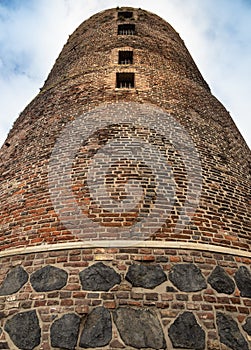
x=216, y=32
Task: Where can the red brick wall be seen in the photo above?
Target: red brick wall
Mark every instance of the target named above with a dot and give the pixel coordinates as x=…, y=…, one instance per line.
x=82, y=78
x=167, y=80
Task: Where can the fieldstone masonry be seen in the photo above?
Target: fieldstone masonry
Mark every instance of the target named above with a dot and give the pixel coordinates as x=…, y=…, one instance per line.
x=97, y=330
x=64, y=331
x=48, y=278
x=220, y=281
x=187, y=278
x=99, y=277
x=14, y=281
x=243, y=281
x=125, y=315
x=24, y=330
x=186, y=333
x=183, y=285
x=139, y=328
x=230, y=334
x=247, y=326
x=146, y=276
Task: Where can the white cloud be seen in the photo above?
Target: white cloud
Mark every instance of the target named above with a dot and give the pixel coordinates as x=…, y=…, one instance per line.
x=217, y=34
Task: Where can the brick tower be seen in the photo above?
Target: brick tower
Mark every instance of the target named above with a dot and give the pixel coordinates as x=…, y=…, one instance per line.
x=125, y=201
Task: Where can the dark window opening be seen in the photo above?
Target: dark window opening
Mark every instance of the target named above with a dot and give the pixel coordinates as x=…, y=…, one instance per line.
x=125, y=80
x=125, y=57
x=125, y=14
x=126, y=29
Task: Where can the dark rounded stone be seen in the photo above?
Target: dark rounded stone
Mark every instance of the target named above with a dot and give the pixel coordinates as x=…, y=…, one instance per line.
x=247, y=326
x=187, y=278
x=97, y=330
x=139, y=328
x=99, y=277
x=48, y=278
x=24, y=330
x=64, y=332
x=220, y=281
x=243, y=281
x=14, y=281
x=229, y=332
x=186, y=333
x=171, y=289
x=146, y=276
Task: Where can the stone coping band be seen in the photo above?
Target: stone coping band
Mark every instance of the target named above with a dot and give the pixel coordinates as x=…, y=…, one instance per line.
x=126, y=244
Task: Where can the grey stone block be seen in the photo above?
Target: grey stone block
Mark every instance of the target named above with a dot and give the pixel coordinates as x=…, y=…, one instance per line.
x=220, y=281
x=14, y=281
x=187, y=278
x=139, y=328
x=146, y=276
x=186, y=333
x=243, y=281
x=48, y=278
x=99, y=277
x=97, y=330
x=64, y=332
x=24, y=330
x=247, y=326
x=229, y=332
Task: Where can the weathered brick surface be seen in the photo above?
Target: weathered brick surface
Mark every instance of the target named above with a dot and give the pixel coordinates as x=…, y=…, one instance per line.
x=82, y=78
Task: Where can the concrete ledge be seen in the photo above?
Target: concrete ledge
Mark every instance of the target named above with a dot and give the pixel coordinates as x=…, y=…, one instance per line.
x=127, y=244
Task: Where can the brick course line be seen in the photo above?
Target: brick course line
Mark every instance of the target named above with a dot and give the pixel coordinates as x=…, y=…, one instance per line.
x=126, y=244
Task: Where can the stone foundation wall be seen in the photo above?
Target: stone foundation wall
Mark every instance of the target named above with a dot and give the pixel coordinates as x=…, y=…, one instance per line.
x=129, y=298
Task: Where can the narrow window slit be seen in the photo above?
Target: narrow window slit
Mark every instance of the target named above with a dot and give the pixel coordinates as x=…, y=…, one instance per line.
x=126, y=29
x=125, y=80
x=125, y=57
x=125, y=14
